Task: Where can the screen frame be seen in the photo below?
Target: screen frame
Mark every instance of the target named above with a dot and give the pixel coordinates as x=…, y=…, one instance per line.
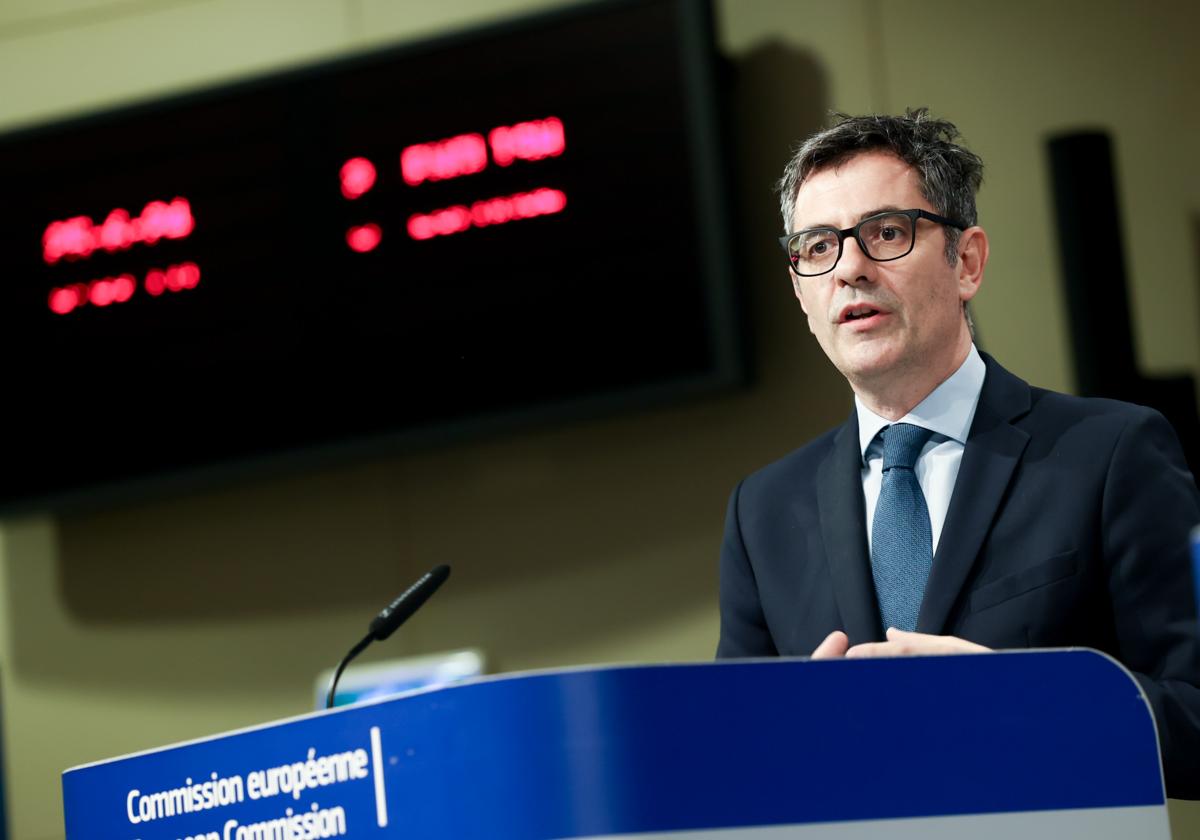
x=708, y=165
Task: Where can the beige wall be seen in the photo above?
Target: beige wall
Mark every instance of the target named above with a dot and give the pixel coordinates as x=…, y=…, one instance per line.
x=585, y=543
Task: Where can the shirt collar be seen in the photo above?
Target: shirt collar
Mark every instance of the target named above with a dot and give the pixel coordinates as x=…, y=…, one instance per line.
x=947, y=411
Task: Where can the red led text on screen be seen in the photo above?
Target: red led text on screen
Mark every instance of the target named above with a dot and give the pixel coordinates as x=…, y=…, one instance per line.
x=492, y=211
x=363, y=238
x=79, y=237
x=110, y=290
x=98, y=293
x=357, y=176
x=174, y=278
x=466, y=154
x=533, y=140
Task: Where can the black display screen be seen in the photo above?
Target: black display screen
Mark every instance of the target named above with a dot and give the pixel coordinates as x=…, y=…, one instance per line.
x=504, y=223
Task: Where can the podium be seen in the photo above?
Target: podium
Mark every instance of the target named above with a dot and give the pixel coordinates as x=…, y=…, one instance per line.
x=1036, y=744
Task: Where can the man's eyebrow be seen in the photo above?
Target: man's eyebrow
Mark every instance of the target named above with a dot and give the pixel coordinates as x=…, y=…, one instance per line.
x=887, y=208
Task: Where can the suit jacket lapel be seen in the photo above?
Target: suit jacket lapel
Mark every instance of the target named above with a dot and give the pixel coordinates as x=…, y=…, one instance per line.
x=994, y=448
x=842, y=513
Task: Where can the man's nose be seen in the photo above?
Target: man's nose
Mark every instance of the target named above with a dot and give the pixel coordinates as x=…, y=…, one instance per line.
x=854, y=266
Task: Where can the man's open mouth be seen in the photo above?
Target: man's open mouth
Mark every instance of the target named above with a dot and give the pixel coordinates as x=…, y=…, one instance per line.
x=857, y=313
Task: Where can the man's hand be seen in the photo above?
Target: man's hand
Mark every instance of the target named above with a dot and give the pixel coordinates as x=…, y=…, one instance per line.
x=899, y=643
x=904, y=643
x=834, y=646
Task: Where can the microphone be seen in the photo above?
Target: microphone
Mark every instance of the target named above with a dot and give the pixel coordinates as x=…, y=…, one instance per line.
x=409, y=601
x=391, y=617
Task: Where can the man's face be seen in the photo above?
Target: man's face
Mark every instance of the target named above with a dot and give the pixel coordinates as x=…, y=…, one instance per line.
x=877, y=321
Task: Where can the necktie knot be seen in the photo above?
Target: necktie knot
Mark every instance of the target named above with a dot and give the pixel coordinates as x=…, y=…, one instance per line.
x=902, y=443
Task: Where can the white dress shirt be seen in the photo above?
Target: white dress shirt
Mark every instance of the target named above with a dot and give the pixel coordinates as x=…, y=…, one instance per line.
x=947, y=412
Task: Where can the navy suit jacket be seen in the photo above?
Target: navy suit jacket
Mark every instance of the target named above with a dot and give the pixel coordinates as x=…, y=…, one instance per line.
x=1068, y=526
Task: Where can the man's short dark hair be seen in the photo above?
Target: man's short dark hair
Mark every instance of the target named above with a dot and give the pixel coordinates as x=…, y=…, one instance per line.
x=949, y=174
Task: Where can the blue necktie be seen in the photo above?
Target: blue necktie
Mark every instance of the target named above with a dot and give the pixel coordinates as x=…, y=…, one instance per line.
x=901, y=537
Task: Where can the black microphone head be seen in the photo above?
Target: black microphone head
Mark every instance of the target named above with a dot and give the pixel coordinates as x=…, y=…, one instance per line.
x=409, y=601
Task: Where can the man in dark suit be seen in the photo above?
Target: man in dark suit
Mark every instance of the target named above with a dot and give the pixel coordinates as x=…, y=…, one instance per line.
x=958, y=508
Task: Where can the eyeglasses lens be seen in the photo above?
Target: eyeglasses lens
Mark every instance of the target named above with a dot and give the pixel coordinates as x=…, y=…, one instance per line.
x=884, y=237
x=814, y=251
x=887, y=237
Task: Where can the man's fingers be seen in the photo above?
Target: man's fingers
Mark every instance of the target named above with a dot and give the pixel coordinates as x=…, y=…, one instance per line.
x=870, y=650
x=908, y=643
x=899, y=643
x=834, y=646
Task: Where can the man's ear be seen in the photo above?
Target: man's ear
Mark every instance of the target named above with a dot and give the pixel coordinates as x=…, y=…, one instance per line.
x=972, y=257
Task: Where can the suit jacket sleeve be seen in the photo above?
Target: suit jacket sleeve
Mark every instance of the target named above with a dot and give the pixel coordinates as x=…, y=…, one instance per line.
x=744, y=630
x=1149, y=505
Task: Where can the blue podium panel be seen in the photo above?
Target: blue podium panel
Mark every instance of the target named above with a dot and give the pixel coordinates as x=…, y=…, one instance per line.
x=1041, y=744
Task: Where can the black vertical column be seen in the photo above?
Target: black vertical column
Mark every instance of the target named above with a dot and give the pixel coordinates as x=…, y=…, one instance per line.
x=1097, y=296
x=1093, y=264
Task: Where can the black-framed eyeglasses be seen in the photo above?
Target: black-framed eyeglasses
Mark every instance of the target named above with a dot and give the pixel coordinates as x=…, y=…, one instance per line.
x=882, y=237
